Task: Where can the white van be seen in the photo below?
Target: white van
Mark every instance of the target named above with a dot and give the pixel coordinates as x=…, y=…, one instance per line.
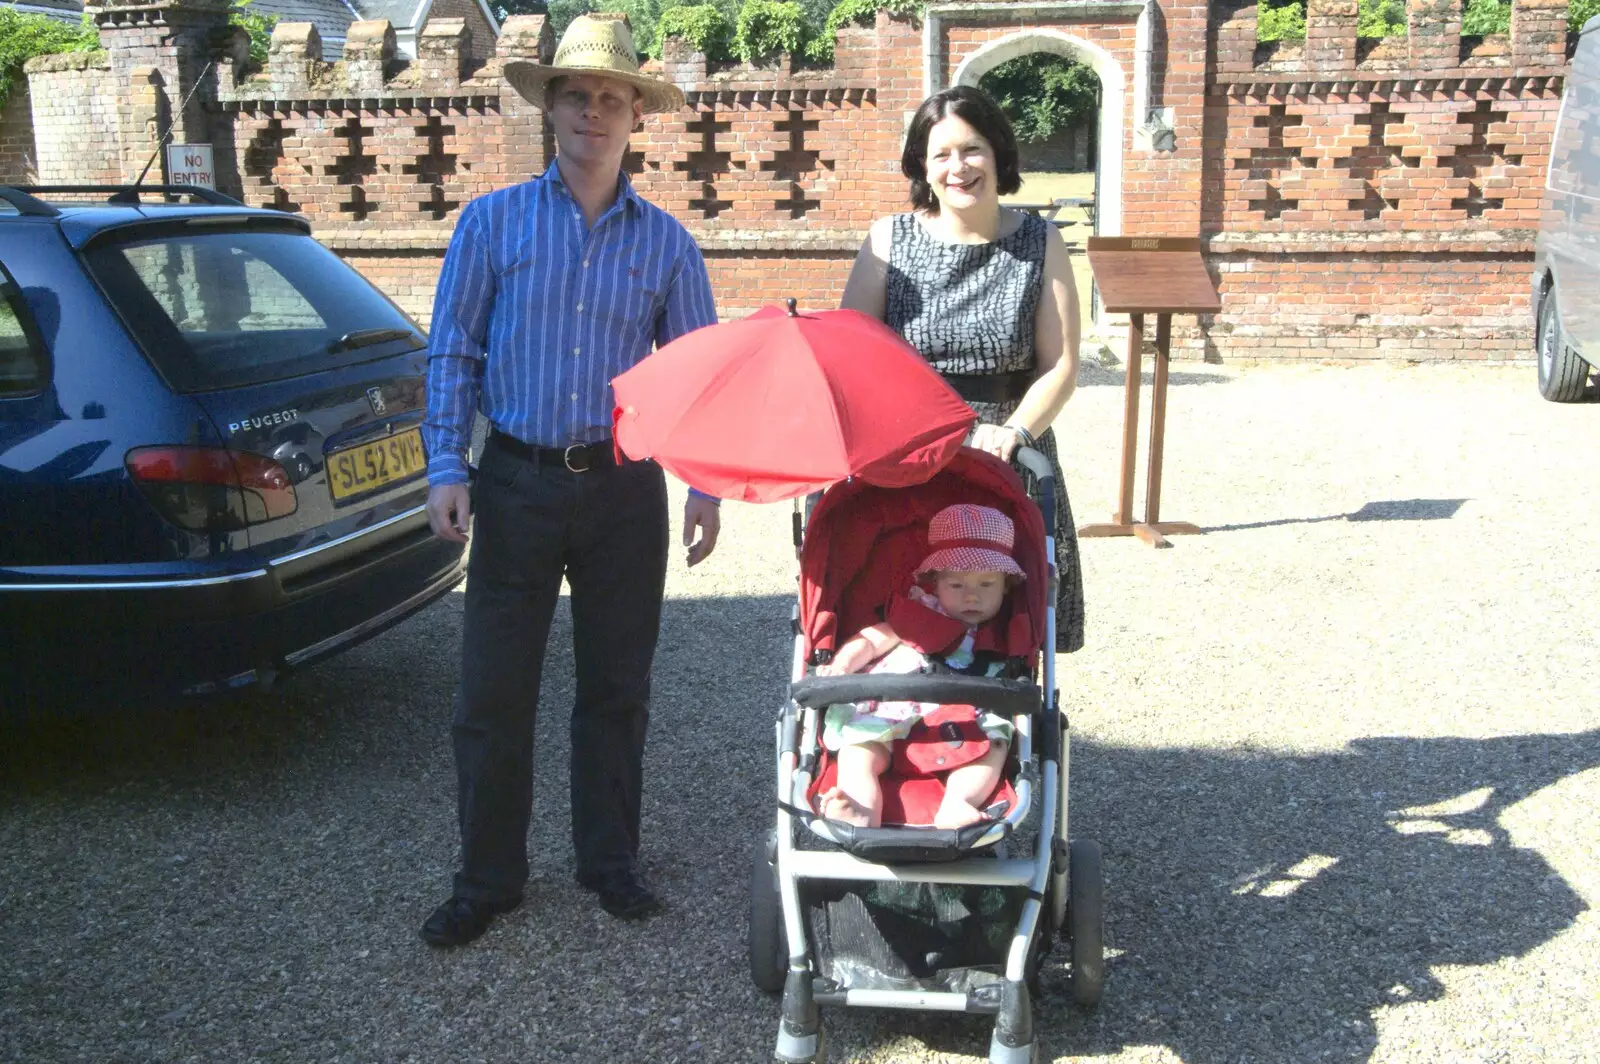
x=1566, y=279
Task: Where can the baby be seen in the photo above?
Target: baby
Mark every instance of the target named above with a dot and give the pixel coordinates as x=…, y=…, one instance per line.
x=969, y=576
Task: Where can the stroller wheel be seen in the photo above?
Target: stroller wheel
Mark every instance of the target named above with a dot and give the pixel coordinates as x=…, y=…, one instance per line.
x=1084, y=920
x=818, y=1057
x=769, y=955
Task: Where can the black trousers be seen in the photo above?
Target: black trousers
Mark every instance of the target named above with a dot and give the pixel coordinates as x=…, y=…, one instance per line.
x=605, y=531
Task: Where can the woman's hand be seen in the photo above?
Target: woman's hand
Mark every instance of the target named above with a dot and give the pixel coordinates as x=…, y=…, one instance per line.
x=997, y=440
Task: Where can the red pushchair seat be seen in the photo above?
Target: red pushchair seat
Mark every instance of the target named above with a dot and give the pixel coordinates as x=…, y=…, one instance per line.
x=862, y=545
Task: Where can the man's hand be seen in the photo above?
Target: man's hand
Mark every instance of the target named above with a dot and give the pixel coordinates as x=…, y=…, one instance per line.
x=702, y=514
x=450, y=511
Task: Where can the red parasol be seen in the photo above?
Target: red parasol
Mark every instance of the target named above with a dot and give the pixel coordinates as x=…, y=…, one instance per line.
x=783, y=404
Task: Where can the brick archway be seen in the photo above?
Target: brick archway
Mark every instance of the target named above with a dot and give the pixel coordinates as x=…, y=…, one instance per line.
x=1113, y=110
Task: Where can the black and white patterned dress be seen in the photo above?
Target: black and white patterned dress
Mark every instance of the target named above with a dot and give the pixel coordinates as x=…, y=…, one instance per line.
x=969, y=308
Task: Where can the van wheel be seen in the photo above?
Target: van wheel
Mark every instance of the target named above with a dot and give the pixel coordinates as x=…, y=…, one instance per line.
x=1562, y=374
x=768, y=942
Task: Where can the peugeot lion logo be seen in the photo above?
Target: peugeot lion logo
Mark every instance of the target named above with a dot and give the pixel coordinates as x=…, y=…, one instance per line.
x=375, y=397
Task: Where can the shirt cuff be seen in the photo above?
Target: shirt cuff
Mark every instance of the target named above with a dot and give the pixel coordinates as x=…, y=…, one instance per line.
x=447, y=469
x=697, y=493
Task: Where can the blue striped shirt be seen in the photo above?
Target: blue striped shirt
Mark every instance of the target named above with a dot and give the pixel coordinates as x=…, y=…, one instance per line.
x=535, y=313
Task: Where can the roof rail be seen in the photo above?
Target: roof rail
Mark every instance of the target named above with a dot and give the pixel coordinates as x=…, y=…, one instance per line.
x=128, y=195
x=26, y=204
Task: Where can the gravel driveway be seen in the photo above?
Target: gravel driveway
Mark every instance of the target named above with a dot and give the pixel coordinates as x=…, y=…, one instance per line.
x=1343, y=753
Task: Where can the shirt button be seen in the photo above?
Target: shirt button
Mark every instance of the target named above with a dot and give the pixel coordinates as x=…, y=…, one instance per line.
x=574, y=397
x=586, y=264
x=580, y=306
x=577, y=350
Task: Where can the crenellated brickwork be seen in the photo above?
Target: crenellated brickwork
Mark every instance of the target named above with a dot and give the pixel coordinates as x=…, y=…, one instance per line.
x=1379, y=198
x=1357, y=197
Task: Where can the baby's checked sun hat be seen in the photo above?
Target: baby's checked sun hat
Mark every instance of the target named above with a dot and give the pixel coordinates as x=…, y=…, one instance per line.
x=971, y=539
x=599, y=44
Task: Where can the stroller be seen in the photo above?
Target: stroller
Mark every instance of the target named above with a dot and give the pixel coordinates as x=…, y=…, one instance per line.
x=906, y=915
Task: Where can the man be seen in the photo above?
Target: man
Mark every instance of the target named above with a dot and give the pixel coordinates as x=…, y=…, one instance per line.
x=549, y=290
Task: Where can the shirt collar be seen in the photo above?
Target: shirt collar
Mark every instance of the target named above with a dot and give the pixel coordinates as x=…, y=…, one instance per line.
x=625, y=190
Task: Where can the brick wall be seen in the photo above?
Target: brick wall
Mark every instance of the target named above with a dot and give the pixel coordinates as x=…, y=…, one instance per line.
x=471, y=14
x=1356, y=198
x=1378, y=198
x=19, y=162
x=74, y=120
x=1067, y=150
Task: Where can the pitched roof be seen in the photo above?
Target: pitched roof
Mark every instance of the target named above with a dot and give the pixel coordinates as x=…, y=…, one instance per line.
x=400, y=13
x=61, y=10
x=331, y=17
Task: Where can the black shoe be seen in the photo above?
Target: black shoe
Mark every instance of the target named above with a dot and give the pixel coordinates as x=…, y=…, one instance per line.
x=462, y=920
x=623, y=894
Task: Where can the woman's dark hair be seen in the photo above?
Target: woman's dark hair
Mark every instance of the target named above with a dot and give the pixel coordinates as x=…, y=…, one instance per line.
x=976, y=109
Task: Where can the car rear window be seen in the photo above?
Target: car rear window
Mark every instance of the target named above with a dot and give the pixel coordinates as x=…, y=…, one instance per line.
x=23, y=365
x=220, y=309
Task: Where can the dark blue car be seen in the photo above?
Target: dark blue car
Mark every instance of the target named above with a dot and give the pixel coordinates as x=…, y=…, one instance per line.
x=211, y=465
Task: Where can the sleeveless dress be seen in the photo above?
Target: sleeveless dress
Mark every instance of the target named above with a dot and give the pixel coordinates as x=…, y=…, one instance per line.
x=969, y=309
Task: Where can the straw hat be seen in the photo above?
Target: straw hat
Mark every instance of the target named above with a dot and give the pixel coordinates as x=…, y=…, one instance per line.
x=971, y=539
x=594, y=45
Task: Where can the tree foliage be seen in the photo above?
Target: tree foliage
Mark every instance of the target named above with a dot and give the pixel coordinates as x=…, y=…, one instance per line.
x=767, y=27
x=1484, y=17
x=24, y=36
x=1581, y=11
x=1281, y=22
x=1380, y=18
x=1044, y=94
x=703, y=26
x=258, y=26
x=852, y=13
x=504, y=9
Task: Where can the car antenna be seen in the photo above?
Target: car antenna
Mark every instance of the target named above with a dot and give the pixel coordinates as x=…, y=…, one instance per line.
x=162, y=143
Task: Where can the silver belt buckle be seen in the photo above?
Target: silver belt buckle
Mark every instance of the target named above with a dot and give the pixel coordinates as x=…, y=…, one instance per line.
x=566, y=457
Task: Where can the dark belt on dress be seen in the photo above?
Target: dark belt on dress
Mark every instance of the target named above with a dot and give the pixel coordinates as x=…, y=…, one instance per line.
x=990, y=387
x=578, y=458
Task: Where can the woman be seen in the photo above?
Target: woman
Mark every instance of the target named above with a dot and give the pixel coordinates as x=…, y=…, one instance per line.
x=985, y=293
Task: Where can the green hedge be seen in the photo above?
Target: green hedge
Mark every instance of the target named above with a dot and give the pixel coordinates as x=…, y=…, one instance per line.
x=258, y=26
x=855, y=13
x=767, y=27
x=22, y=37
x=703, y=26
x=1286, y=22
x=1043, y=94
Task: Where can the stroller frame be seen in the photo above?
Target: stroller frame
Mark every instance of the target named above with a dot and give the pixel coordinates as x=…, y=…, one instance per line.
x=1061, y=877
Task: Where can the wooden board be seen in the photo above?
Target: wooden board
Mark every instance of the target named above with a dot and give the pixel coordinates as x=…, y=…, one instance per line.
x=1152, y=275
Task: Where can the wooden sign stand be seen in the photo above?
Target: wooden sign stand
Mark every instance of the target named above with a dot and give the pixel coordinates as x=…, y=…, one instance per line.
x=1138, y=276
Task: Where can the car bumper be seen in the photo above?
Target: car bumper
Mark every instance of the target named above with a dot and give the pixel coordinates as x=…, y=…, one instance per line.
x=182, y=631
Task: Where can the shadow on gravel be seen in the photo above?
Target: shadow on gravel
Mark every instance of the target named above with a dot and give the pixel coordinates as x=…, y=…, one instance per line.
x=246, y=879
x=1377, y=510
x=1265, y=906
x=1093, y=375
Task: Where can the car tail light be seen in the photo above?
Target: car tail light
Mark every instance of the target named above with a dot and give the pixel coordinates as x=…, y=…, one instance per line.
x=208, y=489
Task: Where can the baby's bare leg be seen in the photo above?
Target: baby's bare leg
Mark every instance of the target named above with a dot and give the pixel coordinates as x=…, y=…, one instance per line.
x=858, y=797
x=967, y=786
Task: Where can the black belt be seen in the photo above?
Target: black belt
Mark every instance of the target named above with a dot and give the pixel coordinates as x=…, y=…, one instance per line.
x=990, y=387
x=579, y=458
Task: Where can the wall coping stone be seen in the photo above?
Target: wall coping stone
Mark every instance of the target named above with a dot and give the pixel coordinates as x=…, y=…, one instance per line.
x=1486, y=242
x=50, y=64
x=387, y=238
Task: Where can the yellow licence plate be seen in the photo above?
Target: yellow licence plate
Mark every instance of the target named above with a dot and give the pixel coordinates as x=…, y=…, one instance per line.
x=359, y=470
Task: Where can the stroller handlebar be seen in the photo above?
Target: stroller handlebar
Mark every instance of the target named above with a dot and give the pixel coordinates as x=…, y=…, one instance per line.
x=1036, y=463
x=1007, y=697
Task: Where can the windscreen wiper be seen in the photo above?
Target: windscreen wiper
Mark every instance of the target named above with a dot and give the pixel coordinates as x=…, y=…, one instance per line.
x=367, y=337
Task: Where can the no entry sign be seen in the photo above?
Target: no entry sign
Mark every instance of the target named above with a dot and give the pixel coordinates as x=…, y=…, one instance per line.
x=190, y=164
